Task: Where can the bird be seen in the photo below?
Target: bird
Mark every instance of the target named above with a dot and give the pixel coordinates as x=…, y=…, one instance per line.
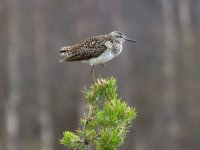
x=95, y=50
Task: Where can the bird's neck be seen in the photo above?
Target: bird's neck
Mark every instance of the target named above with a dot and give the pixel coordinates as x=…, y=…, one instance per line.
x=117, y=42
x=117, y=48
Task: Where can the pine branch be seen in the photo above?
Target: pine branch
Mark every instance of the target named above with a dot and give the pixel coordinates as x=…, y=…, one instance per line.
x=107, y=121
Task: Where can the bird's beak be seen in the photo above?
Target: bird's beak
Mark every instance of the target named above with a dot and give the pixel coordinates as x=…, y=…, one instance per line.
x=130, y=40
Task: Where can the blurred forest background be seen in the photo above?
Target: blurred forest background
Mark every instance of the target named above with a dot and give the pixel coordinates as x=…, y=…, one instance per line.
x=159, y=75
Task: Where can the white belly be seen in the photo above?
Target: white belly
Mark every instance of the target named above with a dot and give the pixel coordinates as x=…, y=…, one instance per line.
x=106, y=56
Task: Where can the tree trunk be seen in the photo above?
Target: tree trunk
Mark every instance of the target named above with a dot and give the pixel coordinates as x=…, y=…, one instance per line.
x=167, y=118
x=189, y=54
x=190, y=71
x=45, y=119
x=14, y=96
x=185, y=21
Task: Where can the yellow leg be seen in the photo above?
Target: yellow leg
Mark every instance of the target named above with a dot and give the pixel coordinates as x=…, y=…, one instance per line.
x=103, y=65
x=92, y=70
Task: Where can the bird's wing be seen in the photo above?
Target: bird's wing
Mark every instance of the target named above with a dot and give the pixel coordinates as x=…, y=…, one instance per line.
x=90, y=48
x=87, y=54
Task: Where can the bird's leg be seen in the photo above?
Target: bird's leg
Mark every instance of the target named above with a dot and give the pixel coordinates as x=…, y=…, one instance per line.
x=92, y=70
x=103, y=65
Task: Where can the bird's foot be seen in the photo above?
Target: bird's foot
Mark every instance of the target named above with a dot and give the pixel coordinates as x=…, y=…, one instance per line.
x=103, y=65
x=92, y=70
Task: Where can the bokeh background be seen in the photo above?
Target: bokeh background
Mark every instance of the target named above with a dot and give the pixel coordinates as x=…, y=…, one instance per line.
x=159, y=75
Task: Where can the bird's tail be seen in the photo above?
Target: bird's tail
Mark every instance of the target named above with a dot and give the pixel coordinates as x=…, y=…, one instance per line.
x=63, y=60
x=64, y=51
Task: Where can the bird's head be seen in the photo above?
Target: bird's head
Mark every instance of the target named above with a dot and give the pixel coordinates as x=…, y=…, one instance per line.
x=120, y=37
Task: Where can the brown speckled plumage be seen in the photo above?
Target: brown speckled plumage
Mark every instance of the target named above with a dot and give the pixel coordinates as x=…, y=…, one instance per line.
x=95, y=50
x=91, y=47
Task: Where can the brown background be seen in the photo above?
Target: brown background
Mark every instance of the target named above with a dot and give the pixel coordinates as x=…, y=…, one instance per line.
x=159, y=75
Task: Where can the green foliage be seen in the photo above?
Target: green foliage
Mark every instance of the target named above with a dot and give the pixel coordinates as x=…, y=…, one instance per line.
x=107, y=121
